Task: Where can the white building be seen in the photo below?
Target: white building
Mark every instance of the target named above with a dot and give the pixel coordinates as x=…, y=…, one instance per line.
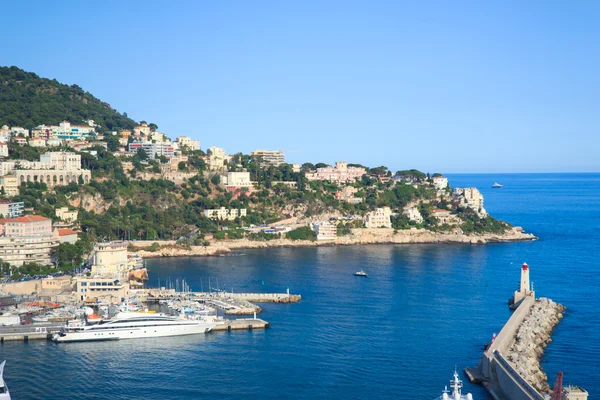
x=413, y=214
x=340, y=173
x=325, y=231
x=238, y=179
x=64, y=130
x=54, y=168
x=154, y=150
x=268, y=157
x=11, y=209
x=472, y=198
x=440, y=182
x=216, y=158
x=380, y=218
x=187, y=142
x=3, y=149
x=225, y=213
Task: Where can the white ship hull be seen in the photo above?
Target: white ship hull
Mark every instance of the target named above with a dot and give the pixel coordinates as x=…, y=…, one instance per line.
x=180, y=328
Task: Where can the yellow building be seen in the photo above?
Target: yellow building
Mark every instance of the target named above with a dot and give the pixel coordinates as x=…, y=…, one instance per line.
x=110, y=260
x=66, y=215
x=106, y=290
x=9, y=184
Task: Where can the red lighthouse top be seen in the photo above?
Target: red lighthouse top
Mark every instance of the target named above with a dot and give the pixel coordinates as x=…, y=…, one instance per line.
x=525, y=267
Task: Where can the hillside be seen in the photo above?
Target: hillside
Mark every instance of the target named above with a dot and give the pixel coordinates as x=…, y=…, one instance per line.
x=28, y=100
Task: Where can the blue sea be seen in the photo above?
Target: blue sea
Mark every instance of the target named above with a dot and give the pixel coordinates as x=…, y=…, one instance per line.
x=398, y=334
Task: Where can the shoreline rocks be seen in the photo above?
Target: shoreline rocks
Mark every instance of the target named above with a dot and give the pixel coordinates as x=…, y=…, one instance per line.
x=358, y=237
x=531, y=339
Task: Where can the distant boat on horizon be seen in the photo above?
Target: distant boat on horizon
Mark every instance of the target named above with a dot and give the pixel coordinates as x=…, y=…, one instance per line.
x=496, y=185
x=361, y=273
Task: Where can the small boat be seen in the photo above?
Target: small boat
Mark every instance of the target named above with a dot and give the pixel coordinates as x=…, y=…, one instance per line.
x=4, y=394
x=361, y=273
x=496, y=185
x=456, y=386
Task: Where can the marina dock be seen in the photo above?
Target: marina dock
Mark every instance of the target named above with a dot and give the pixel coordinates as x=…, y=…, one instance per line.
x=230, y=303
x=24, y=333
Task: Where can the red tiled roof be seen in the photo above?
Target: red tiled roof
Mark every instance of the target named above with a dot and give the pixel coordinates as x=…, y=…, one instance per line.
x=65, y=232
x=25, y=218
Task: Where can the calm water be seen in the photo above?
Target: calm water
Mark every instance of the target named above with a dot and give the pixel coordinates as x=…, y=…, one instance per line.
x=395, y=335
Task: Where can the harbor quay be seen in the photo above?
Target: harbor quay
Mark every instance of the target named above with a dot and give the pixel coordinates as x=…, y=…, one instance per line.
x=510, y=366
x=39, y=320
x=230, y=303
x=47, y=331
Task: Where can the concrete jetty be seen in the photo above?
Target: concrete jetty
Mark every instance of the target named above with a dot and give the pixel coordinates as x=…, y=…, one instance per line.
x=510, y=367
x=241, y=324
x=24, y=333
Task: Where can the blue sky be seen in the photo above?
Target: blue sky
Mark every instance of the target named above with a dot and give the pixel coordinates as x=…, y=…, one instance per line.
x=449, y=86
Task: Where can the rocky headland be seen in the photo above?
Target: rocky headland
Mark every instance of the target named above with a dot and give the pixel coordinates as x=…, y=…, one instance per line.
x=358, y=237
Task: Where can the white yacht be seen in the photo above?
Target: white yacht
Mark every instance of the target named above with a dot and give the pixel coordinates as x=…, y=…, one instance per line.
x=4, y=394
x=133, y=325
x=456, y=386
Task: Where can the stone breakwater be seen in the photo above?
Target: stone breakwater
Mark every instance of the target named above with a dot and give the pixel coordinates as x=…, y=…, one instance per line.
x=358, y=237
x=531, y=338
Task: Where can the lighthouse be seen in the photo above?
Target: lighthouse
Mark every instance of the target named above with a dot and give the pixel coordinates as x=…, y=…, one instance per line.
x=524, y=288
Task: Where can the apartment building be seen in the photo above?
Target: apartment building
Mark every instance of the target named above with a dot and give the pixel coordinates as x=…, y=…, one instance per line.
x=154, y=150
x=380, y=218
x=216, y=158
x=187, y=142
x=440, y=182
x=472, y=198
x=27, y=239
x=325, y=231
x=268, y=157
x=3, y=149
x=11, y=209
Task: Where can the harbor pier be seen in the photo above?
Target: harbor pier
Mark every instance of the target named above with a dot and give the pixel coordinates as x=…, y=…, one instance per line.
x=23, y=333
x=510, y=366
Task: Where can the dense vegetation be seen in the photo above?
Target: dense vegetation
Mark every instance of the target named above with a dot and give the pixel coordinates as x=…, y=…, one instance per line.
x=28, y=100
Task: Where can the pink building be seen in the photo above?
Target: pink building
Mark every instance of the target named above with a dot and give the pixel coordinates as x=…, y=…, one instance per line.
x=340, y=173
x=29, y=225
